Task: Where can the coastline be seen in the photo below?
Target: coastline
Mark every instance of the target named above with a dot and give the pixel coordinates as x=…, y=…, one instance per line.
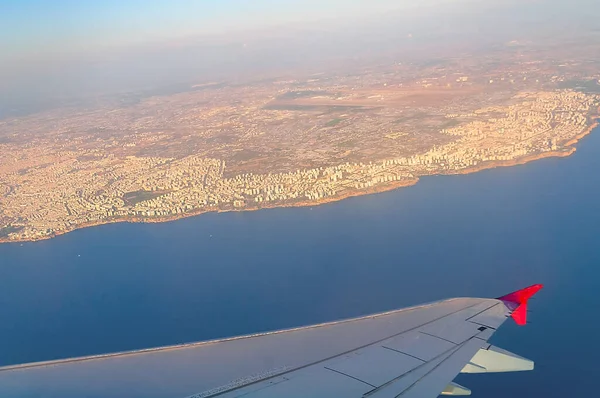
x=514, y=162
x=304, y=203
x=568, y=150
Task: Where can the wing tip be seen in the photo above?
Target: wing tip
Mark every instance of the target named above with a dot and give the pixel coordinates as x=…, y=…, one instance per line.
x=523, y=295
x=517, y=302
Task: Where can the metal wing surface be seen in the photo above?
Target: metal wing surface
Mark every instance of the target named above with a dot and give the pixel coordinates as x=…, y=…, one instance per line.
x=413, y=352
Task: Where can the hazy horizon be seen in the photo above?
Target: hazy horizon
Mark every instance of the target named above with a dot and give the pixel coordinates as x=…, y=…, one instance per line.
x=68, y=51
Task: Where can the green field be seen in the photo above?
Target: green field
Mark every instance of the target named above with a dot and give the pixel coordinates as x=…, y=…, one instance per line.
x=4, y=231
x=333, y=122
x=131, y=198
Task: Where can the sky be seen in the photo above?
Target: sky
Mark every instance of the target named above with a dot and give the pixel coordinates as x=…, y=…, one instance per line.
x=67, y=46
x=70, y=25
x=41, y=26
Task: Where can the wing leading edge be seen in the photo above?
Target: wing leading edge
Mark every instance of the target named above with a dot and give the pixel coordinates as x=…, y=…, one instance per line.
x=413, y=352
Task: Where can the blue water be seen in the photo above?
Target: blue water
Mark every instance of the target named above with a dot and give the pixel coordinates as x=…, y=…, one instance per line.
x=128, y=286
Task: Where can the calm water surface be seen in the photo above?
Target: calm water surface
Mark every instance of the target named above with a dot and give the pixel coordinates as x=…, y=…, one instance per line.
x=127, y=286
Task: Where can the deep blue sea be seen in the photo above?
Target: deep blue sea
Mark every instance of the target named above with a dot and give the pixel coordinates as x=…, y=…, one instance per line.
x=128, y=286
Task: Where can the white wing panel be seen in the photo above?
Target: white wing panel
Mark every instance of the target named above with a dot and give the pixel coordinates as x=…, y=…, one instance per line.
x=396, y=386
x=310, y=382
x=457, y=328
x=419, y=345
x=453, y=332
x=442, y=374
x=492, y=318
x=376, y=365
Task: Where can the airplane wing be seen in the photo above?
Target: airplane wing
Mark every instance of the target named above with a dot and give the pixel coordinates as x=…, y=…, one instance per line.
x=411, y=353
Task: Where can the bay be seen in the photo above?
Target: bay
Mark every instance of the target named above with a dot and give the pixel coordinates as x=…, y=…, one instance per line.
x=128, y=286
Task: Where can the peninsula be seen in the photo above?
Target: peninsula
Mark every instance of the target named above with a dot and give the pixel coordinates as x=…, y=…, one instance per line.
x=306, y=140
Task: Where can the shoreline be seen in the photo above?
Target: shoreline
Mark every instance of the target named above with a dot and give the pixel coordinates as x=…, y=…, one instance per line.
x=569, y=149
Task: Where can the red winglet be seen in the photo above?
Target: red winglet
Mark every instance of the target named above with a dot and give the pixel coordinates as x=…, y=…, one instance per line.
x=517, y=302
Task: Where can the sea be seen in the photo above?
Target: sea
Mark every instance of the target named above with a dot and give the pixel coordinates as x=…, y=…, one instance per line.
x=129, y=286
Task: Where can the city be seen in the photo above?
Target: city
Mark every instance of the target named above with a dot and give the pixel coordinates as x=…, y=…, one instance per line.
x=222, y=147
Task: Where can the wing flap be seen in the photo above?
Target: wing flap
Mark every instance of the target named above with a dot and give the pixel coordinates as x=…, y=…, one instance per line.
x=491, y=359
